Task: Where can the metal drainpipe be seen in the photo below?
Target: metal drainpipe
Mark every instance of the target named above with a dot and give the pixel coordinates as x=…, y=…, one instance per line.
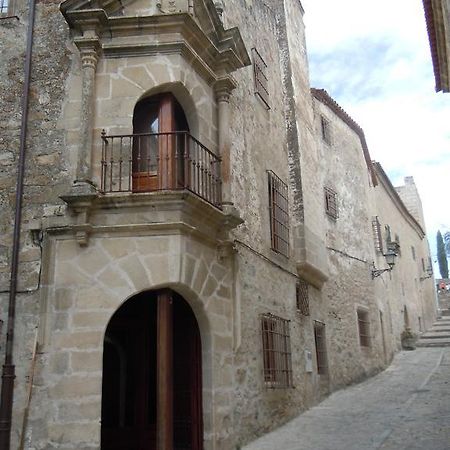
x=8, y=374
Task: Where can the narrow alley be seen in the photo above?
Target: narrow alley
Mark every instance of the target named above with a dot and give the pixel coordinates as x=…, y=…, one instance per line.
x=405, y=407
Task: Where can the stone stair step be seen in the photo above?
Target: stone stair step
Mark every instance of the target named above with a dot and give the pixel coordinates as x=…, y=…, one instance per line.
x=435, y=335
x=433, y=343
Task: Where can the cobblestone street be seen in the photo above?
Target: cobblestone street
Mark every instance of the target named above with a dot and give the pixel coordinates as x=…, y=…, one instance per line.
x=405, y=407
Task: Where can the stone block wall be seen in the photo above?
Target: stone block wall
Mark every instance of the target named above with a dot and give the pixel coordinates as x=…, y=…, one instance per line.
x=70, y=291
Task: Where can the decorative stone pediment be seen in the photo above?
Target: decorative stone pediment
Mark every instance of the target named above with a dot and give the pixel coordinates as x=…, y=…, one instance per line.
x=191, y=28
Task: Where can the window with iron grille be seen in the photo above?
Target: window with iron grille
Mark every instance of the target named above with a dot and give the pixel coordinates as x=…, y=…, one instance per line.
x=378, y=240
x=260, y=77
x=321, y=349
x=4, y=7
x=331, y=207
x=325, y=129
x=276, y=351
x=302, y=298
x=279, y=214
x=363, y=327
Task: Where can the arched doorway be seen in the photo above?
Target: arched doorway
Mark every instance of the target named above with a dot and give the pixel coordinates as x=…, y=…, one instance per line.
x=151, y=391
x=159, y=144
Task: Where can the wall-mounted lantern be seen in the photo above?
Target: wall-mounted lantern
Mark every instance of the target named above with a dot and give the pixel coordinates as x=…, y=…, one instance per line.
x=390, y=256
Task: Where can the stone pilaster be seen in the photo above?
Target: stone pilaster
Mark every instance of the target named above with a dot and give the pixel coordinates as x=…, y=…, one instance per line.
x=223, y=89
x=89, y=52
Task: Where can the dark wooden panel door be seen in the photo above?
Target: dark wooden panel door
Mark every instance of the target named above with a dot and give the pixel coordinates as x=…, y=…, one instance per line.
x=129, y=378
x=153, y=154
x=152, y=386
x=187, y=383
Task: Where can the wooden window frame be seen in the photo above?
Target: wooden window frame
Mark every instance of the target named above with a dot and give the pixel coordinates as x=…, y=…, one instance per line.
x=276, y=347
x=362, y=316
x=302, y=297
x=279, y=214
x=321, y=348
x=260, y=77
x=331, y=203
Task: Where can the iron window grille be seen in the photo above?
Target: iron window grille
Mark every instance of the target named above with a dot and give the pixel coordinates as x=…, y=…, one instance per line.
x=321, y=349
x=279, y=214
x=302, y=298
x=276, y=343
x=325, y=129
x=331, y=207
x=378, y=240
x=260, y=77
x=363, y=327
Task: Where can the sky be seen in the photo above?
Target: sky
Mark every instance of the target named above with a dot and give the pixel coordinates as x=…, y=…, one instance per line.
x=374, y=59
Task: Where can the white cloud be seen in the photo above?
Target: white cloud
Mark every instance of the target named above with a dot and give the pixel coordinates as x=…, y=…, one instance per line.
x=374, y=59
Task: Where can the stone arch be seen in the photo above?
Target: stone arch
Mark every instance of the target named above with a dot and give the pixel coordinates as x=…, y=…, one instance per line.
x=196, y=306
x=184, y=98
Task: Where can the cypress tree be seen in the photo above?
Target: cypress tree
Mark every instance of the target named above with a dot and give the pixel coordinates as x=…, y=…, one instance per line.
x=441, y=255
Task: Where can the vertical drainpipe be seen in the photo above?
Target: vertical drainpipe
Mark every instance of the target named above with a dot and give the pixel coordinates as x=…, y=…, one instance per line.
x=8, y=373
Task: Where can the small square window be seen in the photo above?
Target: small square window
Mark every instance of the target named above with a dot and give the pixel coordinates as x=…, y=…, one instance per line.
x=302, y=298
x=276, y=351
x=260, y=77
x=331, y=207
x=325, y=128
x=279, y=214
x=321, y=349
x=363, y=327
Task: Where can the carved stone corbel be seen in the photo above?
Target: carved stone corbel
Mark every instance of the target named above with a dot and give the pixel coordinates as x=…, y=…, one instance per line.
x=80, y=203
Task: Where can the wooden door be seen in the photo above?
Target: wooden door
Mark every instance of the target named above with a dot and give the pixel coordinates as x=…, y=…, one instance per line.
x=152, y=387
x=187, y=382
x=129, y=379
x=153, y=149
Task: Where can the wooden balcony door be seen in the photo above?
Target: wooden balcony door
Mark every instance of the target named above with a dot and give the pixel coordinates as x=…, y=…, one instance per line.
x=155, y=155
x=151, y=392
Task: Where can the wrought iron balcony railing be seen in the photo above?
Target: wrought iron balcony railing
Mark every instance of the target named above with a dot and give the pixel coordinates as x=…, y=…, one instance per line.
x=160, y=161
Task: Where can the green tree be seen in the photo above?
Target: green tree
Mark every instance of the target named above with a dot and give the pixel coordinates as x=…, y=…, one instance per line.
x=441, y=255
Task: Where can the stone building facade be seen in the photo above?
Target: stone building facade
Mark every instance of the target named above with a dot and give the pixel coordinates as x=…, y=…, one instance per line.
x=198, y=240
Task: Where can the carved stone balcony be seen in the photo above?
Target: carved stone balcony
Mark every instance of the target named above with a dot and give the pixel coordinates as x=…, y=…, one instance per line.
x=160, y=162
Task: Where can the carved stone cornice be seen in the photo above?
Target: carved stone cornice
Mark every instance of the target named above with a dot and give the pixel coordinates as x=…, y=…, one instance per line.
x=200, y=39
x=145, y=213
